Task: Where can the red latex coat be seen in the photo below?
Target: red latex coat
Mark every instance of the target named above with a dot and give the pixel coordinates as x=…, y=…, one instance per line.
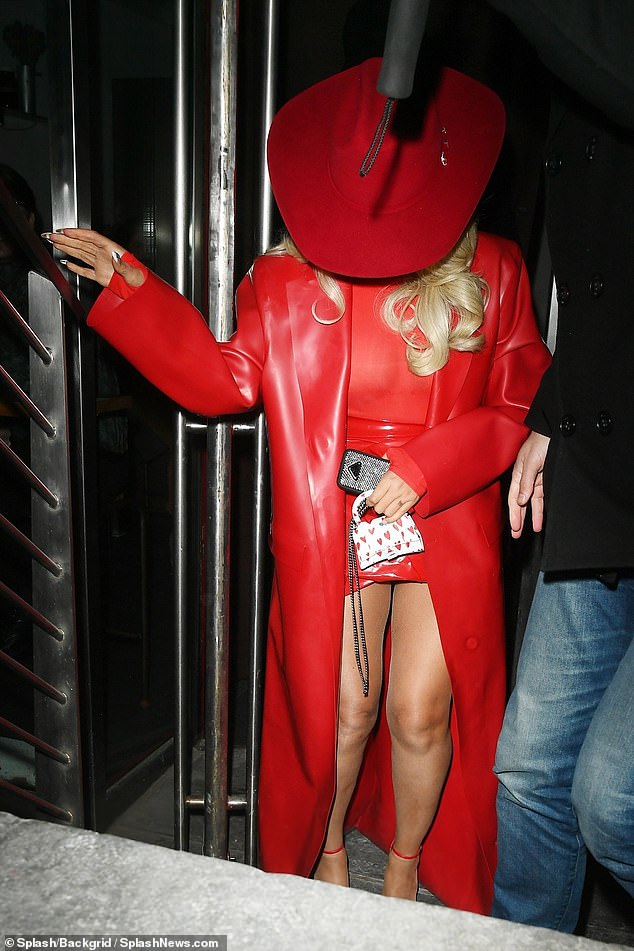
x=298, y=369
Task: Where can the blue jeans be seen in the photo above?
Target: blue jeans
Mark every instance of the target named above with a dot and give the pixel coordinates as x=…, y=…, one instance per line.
x=565, y=758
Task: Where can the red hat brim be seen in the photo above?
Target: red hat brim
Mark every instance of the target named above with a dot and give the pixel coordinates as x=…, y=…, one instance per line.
x=422, y=191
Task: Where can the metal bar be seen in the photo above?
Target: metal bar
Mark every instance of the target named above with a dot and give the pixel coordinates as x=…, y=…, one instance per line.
x=269, y=83
x=222, y=19
x=32, y=338
x=55, y=661
x=31, y=549
x=145, y=608
x=69, y=122
x=37, y=682
x=38, y=801
x=34, y=481
x=42, y=622
x=234, y=803
x=261, y=475
x=34, y=741
x=29, y=406
x=182, y=190
x=181, y=724
x=217, y=641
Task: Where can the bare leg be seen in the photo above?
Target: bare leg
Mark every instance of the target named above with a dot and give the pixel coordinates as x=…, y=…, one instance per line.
x=357, y=716
x=417, y=706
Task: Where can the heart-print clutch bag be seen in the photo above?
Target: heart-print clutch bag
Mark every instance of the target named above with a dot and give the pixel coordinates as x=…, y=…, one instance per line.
x=376, y=541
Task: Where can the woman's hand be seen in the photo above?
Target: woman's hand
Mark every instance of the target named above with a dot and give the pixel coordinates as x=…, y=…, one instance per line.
x=101, y=256
x=527, y=484
x=392, y=497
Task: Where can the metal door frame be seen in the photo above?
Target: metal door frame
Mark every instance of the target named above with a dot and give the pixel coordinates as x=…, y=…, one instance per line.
x=54, y=675
x=217, y=801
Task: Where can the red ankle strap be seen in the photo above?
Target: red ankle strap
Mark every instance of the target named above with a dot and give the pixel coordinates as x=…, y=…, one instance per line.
x=334, y=851
x=406, y=858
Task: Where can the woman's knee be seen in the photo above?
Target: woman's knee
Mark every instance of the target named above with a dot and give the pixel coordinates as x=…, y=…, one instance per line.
x=418, y=727
x=356, y=720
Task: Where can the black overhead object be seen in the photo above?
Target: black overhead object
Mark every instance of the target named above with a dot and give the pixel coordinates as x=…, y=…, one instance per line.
x=405, y=28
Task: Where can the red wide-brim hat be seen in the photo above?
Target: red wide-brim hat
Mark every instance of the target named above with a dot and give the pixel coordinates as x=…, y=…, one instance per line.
x=421, y=191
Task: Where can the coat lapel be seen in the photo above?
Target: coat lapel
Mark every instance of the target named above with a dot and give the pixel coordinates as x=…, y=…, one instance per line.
x=321, y=357
x=446, y=387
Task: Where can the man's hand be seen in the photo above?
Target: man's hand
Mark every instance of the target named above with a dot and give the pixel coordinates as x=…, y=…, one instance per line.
x=527, y=484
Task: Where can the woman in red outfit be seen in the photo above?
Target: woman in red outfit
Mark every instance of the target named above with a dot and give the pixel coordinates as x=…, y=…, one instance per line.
x=434, y=371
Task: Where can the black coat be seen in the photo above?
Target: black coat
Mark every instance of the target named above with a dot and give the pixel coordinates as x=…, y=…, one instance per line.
x=586, y=400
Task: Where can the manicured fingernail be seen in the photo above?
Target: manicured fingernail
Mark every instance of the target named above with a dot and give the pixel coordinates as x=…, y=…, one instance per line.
x=46, y=235
x=116, y=257
x=63, y=261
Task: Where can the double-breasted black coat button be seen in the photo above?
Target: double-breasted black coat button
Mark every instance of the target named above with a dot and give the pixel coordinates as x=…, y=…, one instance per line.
x=553, y=163
x=563, y=295
x=604, y=423
x=568, y=425
x=596, y=285
x=591, y=148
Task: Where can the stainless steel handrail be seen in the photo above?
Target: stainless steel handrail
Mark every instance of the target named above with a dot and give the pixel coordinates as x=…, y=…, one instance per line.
x=20, y=323
x=182, y=192
x=26, y=473
x=35, y=741
x=38, y=801
x=221, y=149
x=38, y=619
x=27, y=404
x=27, y=545
x=27, y=674
x=217, y=802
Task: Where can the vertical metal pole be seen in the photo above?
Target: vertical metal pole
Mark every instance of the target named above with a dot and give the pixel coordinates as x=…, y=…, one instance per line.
x=181, y=732
x=222, y=18
x=181, y=234
x=69, y=116
x=258, y=618
x=269, y=83
x=67, y=28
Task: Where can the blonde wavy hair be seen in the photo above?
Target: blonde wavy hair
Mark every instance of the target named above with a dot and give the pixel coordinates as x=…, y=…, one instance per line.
x=438, y=309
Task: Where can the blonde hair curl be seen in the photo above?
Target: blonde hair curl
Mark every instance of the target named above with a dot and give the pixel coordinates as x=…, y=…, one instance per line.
x=438, y=309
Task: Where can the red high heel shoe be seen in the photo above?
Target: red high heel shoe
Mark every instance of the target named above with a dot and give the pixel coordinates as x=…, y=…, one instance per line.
x=319, y=875
x=404, y=858
x=334, y=851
